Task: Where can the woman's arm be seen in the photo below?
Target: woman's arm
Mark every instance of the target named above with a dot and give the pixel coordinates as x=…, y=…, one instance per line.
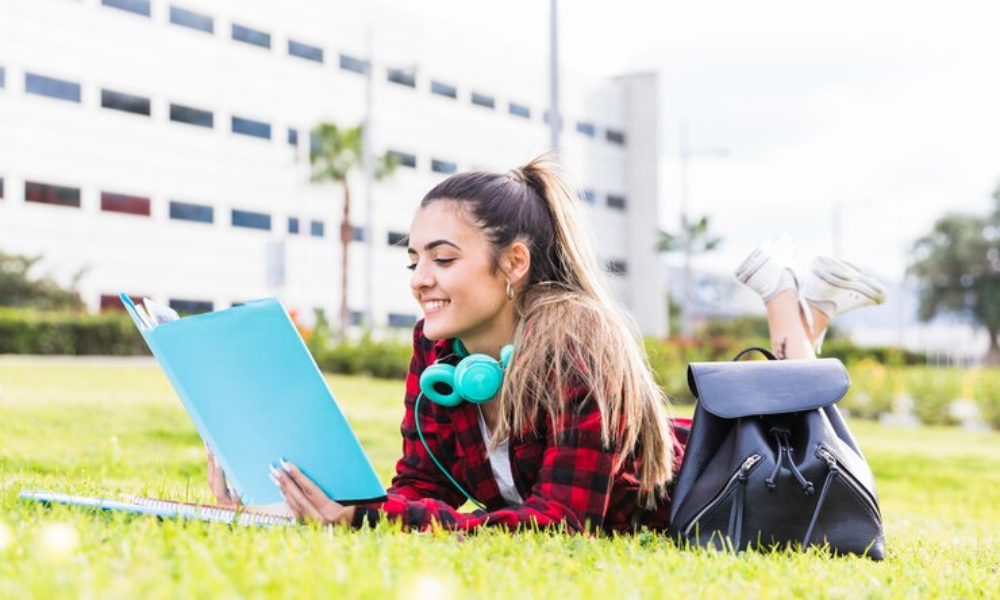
x=573, y=487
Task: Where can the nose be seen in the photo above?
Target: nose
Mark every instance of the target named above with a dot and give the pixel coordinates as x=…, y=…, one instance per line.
x=422, y=277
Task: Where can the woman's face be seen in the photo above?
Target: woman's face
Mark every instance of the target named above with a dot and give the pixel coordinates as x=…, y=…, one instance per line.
x=453, y=280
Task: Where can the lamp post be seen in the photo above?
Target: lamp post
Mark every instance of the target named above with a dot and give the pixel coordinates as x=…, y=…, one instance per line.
x=686, y=152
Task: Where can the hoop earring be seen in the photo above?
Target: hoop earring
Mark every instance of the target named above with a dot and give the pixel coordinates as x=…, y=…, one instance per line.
x=510, y=292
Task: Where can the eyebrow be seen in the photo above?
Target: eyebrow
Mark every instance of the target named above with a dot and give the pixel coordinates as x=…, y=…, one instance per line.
x=433, y=245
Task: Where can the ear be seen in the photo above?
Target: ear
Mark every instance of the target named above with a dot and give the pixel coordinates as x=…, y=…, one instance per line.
x=515, y=262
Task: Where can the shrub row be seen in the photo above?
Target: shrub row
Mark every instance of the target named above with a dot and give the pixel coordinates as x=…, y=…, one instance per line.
x=880, y=381
x=24, y=331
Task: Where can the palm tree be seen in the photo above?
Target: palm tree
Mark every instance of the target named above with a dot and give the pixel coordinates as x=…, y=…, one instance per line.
x=334, y=153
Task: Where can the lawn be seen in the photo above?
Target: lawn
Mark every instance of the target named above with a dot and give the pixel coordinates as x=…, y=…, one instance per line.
x=105, y=428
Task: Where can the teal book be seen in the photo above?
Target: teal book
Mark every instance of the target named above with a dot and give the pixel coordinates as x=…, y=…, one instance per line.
x=256, y=396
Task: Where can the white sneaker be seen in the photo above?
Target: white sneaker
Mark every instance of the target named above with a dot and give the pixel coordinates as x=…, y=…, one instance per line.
x=768, y=269
x=836, y=286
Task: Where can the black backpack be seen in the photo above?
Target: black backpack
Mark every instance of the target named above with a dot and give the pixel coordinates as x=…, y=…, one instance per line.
x=770, y=462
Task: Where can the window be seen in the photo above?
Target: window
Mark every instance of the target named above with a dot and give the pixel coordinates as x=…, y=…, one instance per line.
x=615, y=137
x=616, y=201
x=357, y=234
x=352, y=64
x=251, y=36
x=251, y=220
x=113, y=302
x=394, y=238
x=252, y=128
x=305, y=51
x=122, y=203
x=441, y=166
x=51, y=87
x=588, y=195
x=483, y=100
x=403, y=159
x=316, y=229
x=293, y=137
x=139, y=7
x=403, y=77
x=617, y=267
x=586, y=129
x=1, y=188
x=192, y=116
x=293, y=225
x=520, y=110
x=192, y=20
x=44, y=193
x=357, y=317
x=125, y=102
x=183, y=211
x=443, y=89
x=3, y=77
x=402, y=320
x=191, y=307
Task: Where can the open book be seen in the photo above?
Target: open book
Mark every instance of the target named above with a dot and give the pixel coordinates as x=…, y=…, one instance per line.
x=256, y=397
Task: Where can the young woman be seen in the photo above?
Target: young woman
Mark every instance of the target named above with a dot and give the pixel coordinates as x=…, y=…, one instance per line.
x=574, y=431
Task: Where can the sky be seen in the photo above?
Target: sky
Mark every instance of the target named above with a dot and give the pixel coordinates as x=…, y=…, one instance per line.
x=871, y=118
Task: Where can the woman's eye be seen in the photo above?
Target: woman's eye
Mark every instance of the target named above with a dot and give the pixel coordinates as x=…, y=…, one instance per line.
x=444, y=261
x=412, y=267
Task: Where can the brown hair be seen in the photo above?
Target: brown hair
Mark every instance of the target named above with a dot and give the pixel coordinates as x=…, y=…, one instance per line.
x=570, y=327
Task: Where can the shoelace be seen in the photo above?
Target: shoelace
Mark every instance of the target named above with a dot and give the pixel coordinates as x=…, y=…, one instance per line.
x=783, y=438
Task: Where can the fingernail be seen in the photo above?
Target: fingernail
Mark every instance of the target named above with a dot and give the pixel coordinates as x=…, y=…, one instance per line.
x=284, y=464
x=274, y=472
x=275, y=481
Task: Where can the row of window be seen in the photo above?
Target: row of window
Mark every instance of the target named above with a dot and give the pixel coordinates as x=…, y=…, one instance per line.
x=115, y=202
x=183, y=17
x=59, y=195
x=61, y=89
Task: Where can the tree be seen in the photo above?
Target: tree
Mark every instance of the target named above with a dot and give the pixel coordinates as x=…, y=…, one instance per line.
x=957, y=267
x=335, y=153
x=18, y=288
x=693, y=239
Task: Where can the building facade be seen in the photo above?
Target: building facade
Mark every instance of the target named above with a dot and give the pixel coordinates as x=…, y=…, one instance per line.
x=160, y=148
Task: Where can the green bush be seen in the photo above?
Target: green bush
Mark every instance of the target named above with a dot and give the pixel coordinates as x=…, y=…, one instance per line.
x=28, y=331
x=388, y=359
x=873, y=388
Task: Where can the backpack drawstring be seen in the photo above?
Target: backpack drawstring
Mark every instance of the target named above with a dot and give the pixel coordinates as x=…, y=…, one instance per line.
x=782, y=437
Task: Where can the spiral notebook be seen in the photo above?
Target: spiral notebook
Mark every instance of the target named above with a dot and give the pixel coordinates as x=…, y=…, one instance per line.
x=256, y=397
x=164, y=509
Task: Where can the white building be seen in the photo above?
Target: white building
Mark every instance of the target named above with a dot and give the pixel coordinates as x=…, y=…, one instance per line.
x=161, y=146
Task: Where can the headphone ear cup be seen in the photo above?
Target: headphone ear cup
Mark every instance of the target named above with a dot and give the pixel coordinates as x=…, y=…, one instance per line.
x=478, y=378
x=437, y=382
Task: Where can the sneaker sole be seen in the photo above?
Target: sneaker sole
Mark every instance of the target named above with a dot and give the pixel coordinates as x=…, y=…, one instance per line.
x=854, y=279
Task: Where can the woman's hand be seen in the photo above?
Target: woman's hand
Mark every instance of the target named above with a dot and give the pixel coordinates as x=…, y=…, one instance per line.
x=224, y=495
x=306, y=500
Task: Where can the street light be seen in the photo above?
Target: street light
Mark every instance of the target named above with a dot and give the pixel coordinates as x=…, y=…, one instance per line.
x=686, y=152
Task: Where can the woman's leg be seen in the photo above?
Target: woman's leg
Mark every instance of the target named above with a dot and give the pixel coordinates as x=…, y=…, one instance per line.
x=790, y=335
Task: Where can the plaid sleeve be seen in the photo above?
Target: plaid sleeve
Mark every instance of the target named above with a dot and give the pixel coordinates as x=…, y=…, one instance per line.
x=417, y=476
x=573, y=486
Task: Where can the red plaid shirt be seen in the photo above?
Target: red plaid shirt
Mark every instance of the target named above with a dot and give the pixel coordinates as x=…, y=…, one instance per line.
x=565, y=476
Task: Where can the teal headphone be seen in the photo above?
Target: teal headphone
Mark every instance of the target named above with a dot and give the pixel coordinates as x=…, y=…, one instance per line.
x=476, y=378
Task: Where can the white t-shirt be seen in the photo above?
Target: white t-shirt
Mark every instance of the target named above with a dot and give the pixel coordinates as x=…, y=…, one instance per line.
x=500, y=463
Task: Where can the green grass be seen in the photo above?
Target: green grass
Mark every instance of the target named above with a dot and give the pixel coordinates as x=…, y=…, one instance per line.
x=99, y=428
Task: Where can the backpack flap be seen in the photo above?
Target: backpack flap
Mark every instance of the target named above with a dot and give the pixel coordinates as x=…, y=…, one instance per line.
x=733, y=390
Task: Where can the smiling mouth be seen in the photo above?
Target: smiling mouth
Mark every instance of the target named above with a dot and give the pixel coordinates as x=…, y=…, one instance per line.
x=435, y=306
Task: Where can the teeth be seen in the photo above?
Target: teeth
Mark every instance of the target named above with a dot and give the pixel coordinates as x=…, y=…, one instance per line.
x=435, y=304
